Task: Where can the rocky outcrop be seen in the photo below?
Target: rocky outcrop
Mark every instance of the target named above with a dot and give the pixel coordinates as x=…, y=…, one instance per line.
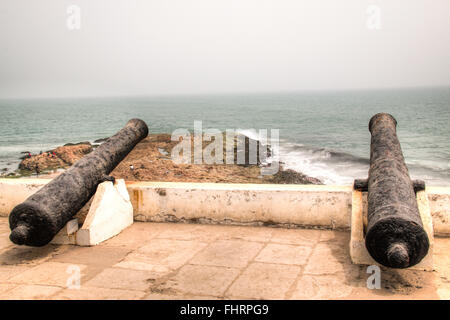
x=60, y=157
x=71, y=154
x=101, y=140
x=147, y=162
x=289, y=176
x=151, y=160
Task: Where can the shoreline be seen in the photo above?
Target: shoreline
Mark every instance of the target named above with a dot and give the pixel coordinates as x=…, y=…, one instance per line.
x=150, y=161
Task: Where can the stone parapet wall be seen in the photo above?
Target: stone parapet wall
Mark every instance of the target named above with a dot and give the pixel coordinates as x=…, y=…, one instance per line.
x=310, y=206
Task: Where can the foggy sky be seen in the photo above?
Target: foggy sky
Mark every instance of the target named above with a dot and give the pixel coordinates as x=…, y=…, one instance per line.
x=131, y=47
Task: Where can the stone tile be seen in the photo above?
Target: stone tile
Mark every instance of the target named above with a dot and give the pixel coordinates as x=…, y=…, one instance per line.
x=246, y=233
x=335, y=236
x=157, y=250
x=97, y=255
x=442, y=266
x=328, y=259
x=284, y=254
x=16, y=255
x=136, y=235
x=7, y=271
x=203, y=233
x=407, y=282
x=162, y=255
x=264, y=281
x=159, y=296
x=93, y=293
x=322, y=287
x=228, y=253
x=228, y=297
x=441, y=258
x=5, y=287
x=30, y=292
x=4, y=241
x=441, y=246
x=4, y=225
x=444, y=293
x=303, y=237
x=399, y=284
x=48, y=273
x=143, y=266
x=116, y=278
x=96, y=258
x=202, y=280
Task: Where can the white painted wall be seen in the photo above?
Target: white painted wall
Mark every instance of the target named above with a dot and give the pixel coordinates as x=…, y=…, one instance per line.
x=303, y=205
x=315, y=206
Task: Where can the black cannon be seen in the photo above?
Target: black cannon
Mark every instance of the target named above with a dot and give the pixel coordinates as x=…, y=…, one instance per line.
x=39, y=218
x=395, y=235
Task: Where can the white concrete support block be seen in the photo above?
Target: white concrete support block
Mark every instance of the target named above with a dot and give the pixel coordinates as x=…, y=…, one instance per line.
x=67, y=235
x=110, y=213
x=439, y=199
x=358, y=251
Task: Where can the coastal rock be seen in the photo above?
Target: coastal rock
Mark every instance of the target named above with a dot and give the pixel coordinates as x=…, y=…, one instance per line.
x=76, y=144
x=63, y=157
x=149, y=165
x=71, y=154
x=289, y=176
x=101, y=140
x=146, y=163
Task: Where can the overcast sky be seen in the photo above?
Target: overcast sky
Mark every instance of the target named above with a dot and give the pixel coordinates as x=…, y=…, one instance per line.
x=150, y=47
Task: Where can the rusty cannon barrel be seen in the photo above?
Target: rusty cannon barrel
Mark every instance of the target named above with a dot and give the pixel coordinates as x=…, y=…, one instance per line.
x=395, y=235
x=37, y=220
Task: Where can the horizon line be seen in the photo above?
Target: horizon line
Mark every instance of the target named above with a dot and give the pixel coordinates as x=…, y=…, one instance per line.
x=224, y=93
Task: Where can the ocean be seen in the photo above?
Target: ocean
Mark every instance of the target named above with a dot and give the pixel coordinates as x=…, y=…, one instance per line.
x=322, y=134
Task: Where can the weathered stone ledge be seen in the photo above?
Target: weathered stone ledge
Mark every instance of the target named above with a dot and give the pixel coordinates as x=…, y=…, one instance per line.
x=307, y=206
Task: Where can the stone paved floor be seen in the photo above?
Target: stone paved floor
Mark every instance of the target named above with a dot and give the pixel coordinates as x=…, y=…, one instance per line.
x=187, y=261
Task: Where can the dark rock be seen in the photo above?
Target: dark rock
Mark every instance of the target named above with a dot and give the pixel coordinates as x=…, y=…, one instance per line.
x=293, y=177
x=101, y=140
x=77, y=144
